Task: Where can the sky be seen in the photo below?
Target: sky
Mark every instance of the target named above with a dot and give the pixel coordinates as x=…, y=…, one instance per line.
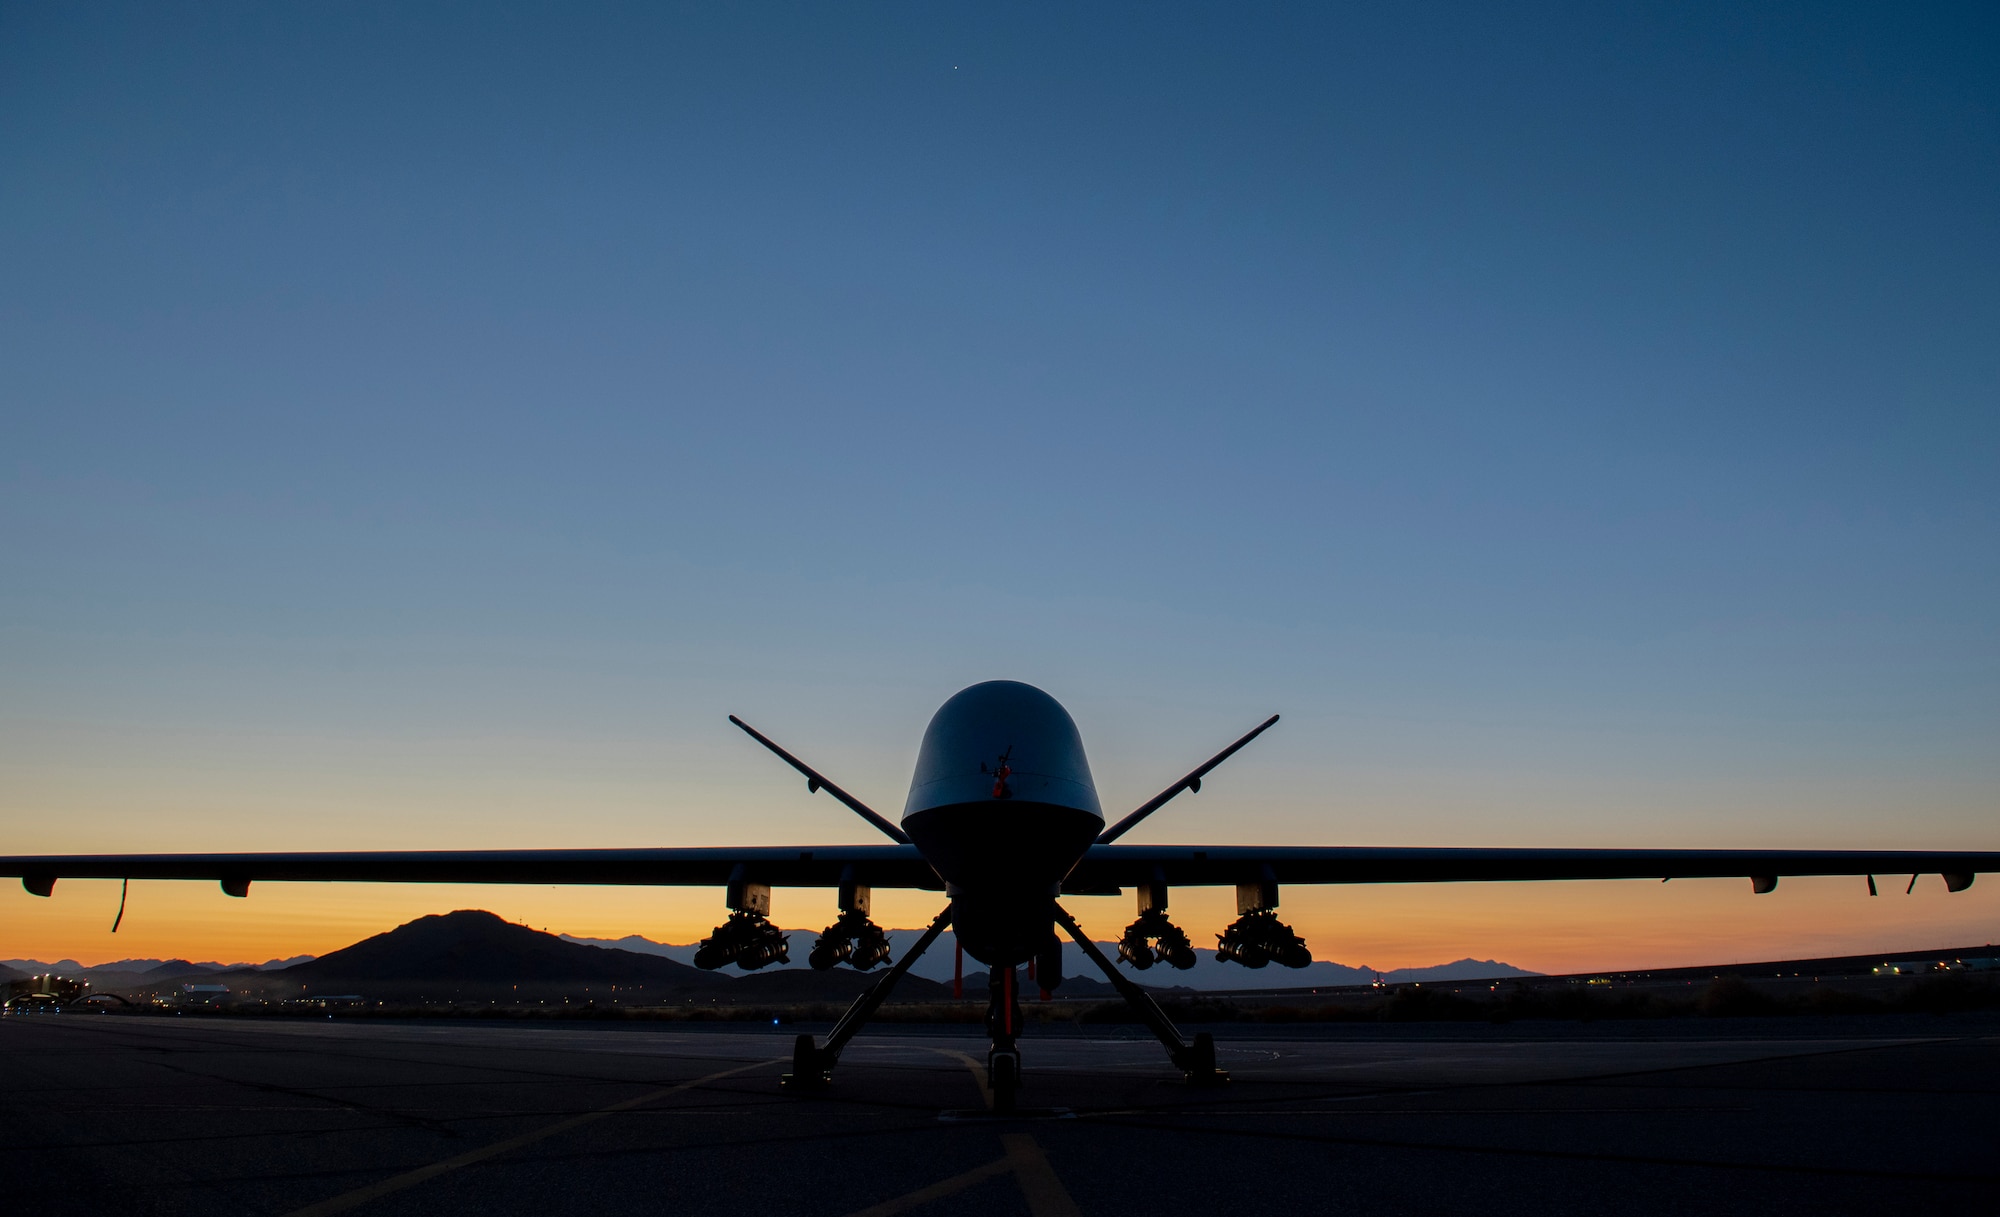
x=421, y=425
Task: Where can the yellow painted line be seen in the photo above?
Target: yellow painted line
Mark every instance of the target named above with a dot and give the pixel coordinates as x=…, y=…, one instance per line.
x=978, y=1073
x=1045, y=1193
x=939, y=1190
x=408, y=1179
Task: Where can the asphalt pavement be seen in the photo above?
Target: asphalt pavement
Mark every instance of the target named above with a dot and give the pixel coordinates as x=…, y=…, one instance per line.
x=143, y=1115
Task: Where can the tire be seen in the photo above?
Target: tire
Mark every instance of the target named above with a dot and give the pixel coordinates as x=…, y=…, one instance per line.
x=1204, y=1054
x=1005, y=1075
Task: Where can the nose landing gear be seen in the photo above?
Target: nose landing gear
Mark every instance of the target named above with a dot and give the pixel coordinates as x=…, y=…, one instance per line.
x=1003, y=1025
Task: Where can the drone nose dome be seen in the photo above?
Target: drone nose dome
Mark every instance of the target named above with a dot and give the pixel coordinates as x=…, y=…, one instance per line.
x=1002, y=806
x=1002, y=741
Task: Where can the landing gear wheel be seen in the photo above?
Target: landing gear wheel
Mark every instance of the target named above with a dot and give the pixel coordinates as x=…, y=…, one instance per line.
x=1201, y=1070
x=1004, y=1071
x=810, y=1069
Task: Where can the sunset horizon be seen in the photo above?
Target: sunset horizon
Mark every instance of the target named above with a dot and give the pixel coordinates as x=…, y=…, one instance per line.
x=901, y=502
x=1565, y=932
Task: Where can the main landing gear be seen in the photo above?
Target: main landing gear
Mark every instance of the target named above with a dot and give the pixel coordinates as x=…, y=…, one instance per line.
x=812, y=1064
x=1195, y=1059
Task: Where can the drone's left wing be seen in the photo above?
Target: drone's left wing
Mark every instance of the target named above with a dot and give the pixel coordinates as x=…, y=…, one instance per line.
x=776, y=866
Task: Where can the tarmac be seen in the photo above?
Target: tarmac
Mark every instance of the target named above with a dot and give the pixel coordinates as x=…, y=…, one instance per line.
x=102, y=1113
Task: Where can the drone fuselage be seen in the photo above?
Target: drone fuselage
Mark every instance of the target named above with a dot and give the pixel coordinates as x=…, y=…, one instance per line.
x=1002, y=806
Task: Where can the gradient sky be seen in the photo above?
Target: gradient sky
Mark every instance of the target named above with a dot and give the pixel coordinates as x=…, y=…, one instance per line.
x=420, y=425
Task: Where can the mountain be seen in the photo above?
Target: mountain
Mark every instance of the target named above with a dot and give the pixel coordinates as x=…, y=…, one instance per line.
x=124, y=971
x=35, y=967
x=1209, y=973
x=166, y=971
x=475, y=956
x=832, y=985
x=472, y=955
x=1072, y=986
x=476, y=946
x=121, y=974
x=641, y=945
x=1462, y=969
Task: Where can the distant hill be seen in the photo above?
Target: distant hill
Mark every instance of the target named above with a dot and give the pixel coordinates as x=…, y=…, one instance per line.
x=129, y=972
x=120, y=976
x=1207, y=974
x=35, y=967
x=832, y=985
x=471, y=955
x=934, y=968
x=169, y=969
x=1072, y=986
x=475, y=956
x=1463, y=969
x=475, y=947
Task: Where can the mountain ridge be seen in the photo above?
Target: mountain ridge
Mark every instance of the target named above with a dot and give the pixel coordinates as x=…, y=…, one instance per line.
x=474, y=955
x=153, y=968
x=1207, y=974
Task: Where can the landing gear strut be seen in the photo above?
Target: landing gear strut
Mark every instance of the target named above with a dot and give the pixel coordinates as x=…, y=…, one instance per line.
x=1003, y=1024
x=1195, y=1060
x=812, y=1064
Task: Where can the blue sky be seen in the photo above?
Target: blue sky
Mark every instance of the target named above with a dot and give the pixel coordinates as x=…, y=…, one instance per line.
x=423, y=424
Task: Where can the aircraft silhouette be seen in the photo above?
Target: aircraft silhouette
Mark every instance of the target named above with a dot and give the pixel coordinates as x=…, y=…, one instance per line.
x=1003, y=817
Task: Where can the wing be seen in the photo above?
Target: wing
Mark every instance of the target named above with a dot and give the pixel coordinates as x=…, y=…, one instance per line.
x=1106, y=868
x=817, y=866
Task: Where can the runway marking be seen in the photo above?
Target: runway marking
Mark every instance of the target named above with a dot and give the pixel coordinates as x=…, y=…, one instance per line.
x=1045, y=1193
x=938, y=1190
x=362, y=1195
x=978, y=1073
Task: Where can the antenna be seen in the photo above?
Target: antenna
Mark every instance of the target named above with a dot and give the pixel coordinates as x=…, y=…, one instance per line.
x=1191, y=782
x=816, y=781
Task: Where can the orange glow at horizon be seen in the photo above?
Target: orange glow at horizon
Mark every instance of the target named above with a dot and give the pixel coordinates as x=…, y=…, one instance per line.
x=1544, y=927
